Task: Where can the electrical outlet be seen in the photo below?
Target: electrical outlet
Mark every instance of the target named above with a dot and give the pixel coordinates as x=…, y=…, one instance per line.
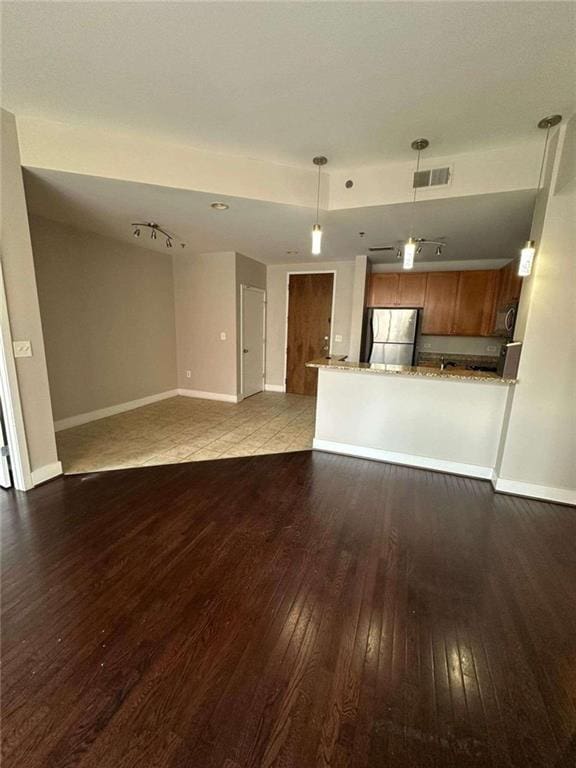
x=337, y=337
x=222, y=335
x=188, y=374
x=491, y=348
x=427, y=346
x=22, y=348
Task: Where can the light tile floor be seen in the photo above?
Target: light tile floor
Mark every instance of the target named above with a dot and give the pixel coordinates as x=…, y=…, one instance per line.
x=188, y=429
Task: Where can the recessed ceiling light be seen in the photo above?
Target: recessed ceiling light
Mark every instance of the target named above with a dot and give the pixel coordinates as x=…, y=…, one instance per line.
x=219, y=206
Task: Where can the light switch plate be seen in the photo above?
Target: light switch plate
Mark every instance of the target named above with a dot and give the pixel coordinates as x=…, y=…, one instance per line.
x=337, y=337
x=222, y=335
x=22, y=348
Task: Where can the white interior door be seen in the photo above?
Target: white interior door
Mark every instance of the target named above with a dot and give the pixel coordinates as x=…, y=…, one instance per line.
x=253, y=308
x=5, y=477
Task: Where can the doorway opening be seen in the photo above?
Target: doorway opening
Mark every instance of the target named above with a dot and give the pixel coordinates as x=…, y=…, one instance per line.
x=308, y=327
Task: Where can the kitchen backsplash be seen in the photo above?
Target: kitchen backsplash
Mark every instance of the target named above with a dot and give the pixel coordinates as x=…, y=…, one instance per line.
x=476, y=346
x=462, y=361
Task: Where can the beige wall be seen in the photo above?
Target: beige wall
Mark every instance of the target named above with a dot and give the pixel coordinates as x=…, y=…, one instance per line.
x=23, y=309
x=277, y=307
x=361, y=272
x=538, y=454
x=108, y=316
x=205, y=293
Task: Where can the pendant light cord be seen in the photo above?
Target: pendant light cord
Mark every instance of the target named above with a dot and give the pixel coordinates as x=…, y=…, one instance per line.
x=543, y=159
x=318, y=195
x=414, y=194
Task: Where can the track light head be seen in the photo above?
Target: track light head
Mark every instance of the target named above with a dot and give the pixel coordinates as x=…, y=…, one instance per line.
x=438, y=250
x=153, y=235
x=168, y=243
x=136, y=232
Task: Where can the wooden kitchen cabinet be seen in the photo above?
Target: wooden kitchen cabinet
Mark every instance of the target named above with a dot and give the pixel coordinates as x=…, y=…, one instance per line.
x=383, y=289
x=440, y=303
x=475, y=301
x=509, y=284
x=393, y=289
x=411, y=289
x=454, y=303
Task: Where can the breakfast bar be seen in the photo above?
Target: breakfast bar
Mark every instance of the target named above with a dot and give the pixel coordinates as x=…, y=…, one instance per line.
x=446, y=420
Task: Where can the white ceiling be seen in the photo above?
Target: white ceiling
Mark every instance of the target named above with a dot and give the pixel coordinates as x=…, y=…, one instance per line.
x=476, y=227
x=286, y=80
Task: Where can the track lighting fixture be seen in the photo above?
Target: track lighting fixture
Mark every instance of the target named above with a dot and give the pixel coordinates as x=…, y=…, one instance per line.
x=438, y=250
x=529, y=251
x=320, y=160
x=154, y=230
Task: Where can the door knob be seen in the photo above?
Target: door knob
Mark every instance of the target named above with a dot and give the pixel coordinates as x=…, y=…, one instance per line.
x=244, y=350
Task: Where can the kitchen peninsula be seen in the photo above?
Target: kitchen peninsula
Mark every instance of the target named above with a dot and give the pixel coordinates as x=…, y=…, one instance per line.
x=448, y=420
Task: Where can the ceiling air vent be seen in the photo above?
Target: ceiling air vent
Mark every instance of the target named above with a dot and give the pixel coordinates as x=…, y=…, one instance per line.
x=433, y=177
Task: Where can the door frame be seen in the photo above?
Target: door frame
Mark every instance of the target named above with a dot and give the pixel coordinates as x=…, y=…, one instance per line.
x=11, y=404
x=247, y=287
x=332, y=311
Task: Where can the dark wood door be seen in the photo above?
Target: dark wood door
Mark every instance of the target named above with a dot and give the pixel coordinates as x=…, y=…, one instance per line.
x=440, y=302
x=475, y=303
x=309, y=317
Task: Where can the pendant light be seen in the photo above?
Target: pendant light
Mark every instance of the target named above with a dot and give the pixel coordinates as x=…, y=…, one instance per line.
x=529, y=251
x=320, y=160
x=410, y=245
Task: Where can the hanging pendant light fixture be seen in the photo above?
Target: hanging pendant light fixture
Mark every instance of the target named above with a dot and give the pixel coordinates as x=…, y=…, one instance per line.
x=410, y=244
x=529, y=251
x=320, y=160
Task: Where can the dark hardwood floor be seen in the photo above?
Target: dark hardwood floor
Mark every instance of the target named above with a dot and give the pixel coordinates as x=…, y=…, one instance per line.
x=295, y=610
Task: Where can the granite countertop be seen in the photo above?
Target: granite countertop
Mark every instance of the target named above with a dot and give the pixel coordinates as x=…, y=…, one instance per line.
x=460, y=374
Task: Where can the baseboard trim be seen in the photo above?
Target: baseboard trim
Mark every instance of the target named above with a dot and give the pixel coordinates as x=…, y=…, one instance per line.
x=102, y=413
x=405, y=459
x=274, y=388
x=203, y=395
x=534, y=491
x=47, y=472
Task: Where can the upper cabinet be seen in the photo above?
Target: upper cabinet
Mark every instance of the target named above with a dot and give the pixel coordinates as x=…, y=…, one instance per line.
x=509, y=284
x=453, y=303
x=411, y=289
x=475, y=303
x=393, y=289
x=383, y=289
x=440, y=303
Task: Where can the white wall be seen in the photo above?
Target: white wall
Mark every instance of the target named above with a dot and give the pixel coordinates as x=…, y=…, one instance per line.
x=24, y=311
x=108, y=317
x=538, y=453
x=442, y=424
x=277, y=308
x=80, y=149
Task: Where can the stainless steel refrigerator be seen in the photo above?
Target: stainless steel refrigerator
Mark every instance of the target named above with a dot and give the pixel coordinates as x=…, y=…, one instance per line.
x=390, y=336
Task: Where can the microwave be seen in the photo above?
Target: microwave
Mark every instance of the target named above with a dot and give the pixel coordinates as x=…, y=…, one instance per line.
x=505, y=320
